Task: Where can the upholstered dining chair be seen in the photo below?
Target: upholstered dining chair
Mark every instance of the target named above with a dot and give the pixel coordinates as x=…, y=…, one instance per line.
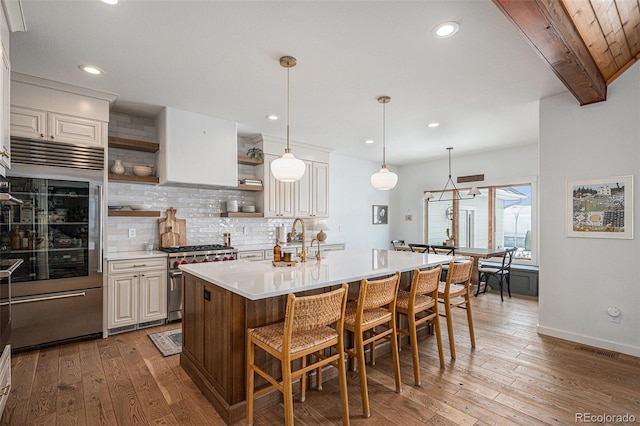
x=502, y=274
x=454, y=292
x=311, y=325
x=420, y=305
x=374, y=313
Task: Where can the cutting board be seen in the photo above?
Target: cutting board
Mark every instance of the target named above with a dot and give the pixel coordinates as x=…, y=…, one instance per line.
x=173, y=232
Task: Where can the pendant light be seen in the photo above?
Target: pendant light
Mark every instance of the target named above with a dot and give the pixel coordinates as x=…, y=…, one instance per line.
x=287, y=168
x=384, y=179
x=454, y=190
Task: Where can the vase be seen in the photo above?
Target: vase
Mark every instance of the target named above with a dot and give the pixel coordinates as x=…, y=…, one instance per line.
x=117, y=168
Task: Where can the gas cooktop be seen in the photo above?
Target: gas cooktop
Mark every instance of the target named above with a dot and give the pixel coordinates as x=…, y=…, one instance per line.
x=185, y=249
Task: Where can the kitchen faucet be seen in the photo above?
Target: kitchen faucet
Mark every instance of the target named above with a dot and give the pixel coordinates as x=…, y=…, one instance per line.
x=318, y=257
x=292, y=234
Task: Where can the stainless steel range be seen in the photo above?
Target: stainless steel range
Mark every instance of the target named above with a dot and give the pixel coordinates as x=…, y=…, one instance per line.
x=190, y=254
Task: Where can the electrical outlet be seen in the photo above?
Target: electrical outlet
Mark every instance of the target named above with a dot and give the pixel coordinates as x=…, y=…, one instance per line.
x=614, y=314
x=132, y=232
x=245, y=230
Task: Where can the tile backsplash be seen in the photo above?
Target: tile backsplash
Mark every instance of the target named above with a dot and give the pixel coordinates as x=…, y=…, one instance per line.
x=201, y=207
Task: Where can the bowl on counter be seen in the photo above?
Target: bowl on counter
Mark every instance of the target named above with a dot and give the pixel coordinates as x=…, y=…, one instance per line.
x=140, y=206
x=142, y=171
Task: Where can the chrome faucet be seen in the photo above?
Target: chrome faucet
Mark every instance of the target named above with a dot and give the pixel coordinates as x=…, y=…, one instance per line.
x=292, y=234
x=318, y=252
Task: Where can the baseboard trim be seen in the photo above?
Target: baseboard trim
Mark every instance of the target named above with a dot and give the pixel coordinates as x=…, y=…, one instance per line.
x=591, y=341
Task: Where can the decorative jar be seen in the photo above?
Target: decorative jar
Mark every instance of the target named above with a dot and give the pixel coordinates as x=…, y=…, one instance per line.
x=117, y=168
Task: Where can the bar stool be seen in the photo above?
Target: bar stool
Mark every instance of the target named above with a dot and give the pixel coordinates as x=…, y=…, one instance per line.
x=376, y=307
x=455, y=292
x=422, y=297
x=306, y=330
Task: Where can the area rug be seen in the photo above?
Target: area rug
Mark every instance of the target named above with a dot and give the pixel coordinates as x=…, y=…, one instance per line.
x=168, y=342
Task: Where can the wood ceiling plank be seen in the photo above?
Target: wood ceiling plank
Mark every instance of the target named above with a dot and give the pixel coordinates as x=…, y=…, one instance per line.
x=607, y=14
x=549, y=29
x=629, y=12
x=588, y=25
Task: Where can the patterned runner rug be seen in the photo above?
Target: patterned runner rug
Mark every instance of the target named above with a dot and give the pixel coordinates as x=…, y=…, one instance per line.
x=168, y=342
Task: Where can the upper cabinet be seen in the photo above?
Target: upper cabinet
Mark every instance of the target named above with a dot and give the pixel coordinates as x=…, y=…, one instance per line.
x=53, y=111
x=196, y=149
x=309, y=197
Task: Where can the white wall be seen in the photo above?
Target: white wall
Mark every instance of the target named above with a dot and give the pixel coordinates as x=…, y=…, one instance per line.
x=580, y=277
x=351, y=198
x=513, y=165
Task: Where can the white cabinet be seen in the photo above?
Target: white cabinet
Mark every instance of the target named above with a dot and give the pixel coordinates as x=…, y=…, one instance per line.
x=196, y=149
x=5, y=377
x=137, y=293
x=253, y=255
x=312, y=191
x=278, y=196
x=38, y=124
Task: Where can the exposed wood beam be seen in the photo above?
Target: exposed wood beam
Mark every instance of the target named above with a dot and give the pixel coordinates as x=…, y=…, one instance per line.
x=548, y=28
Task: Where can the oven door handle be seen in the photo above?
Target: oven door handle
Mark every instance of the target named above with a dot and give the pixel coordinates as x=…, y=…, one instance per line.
x=172, y=278
x=42, y=299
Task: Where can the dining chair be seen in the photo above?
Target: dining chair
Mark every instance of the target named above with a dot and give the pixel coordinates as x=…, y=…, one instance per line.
x=419, y=248
x=373, y=313
x=306, y=330
x=397, y=243
x=447, y=251
x=422, y=298
x=454, y=292
x=501, y=274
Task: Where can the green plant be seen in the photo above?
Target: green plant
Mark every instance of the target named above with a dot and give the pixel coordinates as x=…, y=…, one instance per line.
x=255, y=153
x=448, y=234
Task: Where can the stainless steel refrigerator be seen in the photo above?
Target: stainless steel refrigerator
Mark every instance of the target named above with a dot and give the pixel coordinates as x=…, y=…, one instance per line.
x=58, y=233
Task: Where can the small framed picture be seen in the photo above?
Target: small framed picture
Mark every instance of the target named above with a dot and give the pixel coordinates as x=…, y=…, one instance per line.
x=380, y=215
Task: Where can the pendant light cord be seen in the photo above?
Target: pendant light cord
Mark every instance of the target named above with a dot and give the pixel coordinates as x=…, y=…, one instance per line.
x=288, y=108
x=384, y=134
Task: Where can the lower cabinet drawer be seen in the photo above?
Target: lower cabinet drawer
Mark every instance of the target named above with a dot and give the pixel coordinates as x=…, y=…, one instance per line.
x=251, y=255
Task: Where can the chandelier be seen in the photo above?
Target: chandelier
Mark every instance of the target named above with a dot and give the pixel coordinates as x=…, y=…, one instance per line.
x=455, y=192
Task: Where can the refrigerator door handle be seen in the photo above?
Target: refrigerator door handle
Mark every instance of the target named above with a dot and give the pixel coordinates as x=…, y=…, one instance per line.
x=100, y=228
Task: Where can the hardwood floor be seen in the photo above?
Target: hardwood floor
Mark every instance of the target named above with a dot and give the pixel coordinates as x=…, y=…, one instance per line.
x=513, y=376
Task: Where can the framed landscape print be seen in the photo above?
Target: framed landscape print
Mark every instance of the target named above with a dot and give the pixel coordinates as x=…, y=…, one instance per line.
x=380, y=215
x=600, y=208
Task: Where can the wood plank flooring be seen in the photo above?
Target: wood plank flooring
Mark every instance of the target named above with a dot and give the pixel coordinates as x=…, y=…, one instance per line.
x=512, y=377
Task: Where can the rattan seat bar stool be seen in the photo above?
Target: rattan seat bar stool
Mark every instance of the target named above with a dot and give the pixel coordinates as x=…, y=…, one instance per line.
x=422, y=298
x=306, y=330
x=454, y=292
x=374, y=309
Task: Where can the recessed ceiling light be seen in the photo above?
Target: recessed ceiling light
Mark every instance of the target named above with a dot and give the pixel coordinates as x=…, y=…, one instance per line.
x=368, y=141
x=446, y=29
x=91, y=69
x=433, y=124
x=110, y=2
x=272, y=117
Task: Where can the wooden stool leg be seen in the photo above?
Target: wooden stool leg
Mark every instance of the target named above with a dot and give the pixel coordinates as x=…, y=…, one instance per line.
x=413, y=336
x=436, y=323
x=342, y=376
x=452, y=345
x=303, y=380
x=396, y=356
x=319, y=379
x=287, y=391
x=470, y=321
x=362, y=373
x=250, y=380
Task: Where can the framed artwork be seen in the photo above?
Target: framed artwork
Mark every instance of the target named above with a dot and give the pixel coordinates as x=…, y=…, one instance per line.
x=380, y=215
x=600, y=208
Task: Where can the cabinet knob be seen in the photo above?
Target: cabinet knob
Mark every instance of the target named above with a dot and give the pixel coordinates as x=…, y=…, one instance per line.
x=42, y=135
x=5, y=390
x=51, y=137
x=4, y=153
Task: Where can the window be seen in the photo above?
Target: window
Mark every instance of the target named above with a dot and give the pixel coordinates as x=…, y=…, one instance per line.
x=501, y=216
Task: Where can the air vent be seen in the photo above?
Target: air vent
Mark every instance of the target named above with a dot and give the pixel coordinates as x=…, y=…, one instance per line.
x=598, y=351
x=50, y=153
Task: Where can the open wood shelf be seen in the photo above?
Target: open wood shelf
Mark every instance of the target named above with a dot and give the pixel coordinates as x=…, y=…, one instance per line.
x=134, y=179
x=242, y=187
x=134, y=213
x=241, y=214
x=134, y=145
x=247, y=161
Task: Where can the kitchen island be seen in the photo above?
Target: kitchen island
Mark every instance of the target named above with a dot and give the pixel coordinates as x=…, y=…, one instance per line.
x=222, y=300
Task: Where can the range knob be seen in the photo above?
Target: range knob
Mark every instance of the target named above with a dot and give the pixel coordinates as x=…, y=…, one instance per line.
x=232, y=257
x=225, y=258
x=206, y=259
x=216, y=259
x=175, y=264
x=184, y=261
x=194, y=260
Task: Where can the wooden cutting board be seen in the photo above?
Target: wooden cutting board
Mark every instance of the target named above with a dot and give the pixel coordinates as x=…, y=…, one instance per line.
x=173, y=232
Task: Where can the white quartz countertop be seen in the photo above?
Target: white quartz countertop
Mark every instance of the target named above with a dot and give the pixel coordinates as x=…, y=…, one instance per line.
x=261, y=280
x=141, y=254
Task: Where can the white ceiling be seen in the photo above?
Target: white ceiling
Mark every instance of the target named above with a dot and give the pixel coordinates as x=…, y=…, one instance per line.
x=221, y=58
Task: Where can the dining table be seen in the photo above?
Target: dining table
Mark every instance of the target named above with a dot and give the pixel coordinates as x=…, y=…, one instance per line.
x=475, y=253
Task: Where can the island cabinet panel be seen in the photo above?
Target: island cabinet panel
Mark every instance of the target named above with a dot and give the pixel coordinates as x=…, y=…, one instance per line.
x=193, y=319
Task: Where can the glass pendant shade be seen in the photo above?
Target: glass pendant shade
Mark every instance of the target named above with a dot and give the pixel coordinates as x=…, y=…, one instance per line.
x=384, y=179
x=287, y=168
